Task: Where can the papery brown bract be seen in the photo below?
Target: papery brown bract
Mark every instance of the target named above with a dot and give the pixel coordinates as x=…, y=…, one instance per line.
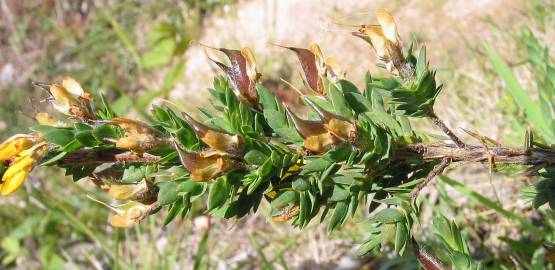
x=315, y=136
x=243, y=75
x=312, y=64
x=139, y=137
x=286, y=214
x=205, y=166
x=129, y=214
x=217, y=139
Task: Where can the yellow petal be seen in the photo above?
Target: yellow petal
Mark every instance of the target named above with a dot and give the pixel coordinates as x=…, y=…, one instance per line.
x=63, y=99
x=13, y=183
x=72, y=86
x=389, y=28
x=14, y=145
x=315, y=49
x=121, y=221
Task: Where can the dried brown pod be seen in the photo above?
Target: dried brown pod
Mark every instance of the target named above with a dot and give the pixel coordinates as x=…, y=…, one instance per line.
x=315, y=136
x=312, y=64
x=217, y=139
x=337, y=125
x=286, y=213
x=204, y=167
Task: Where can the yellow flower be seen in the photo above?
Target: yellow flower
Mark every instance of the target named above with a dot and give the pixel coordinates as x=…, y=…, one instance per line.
x=20, y=167
x=70, y=99
x=139, y=136
x=130, y=213
x=14, y=145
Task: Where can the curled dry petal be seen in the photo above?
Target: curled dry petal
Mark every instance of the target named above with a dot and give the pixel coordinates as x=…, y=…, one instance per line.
x=128, y=191
x=384, y=38
x=337, y=125
x=217, y=139
x=139, y=136
x=46, y=119
x=243, y=74
x=205, y=167
x=315, y=136
x=131, y=213
x=70, y=99
x=20, y=167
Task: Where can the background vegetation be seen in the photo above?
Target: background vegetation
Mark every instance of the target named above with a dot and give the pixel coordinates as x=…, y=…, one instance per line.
x=138, y=52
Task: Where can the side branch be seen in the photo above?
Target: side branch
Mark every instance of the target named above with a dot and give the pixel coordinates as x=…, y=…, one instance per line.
x=441, y=125
x=476, y=153
x=90, y=157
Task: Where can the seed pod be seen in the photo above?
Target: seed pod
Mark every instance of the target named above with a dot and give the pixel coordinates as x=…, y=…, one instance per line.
x=242, y=73
x=316, y=138
x=217, y=139
x=337, y=125
x=139, y=136
x=204, y=167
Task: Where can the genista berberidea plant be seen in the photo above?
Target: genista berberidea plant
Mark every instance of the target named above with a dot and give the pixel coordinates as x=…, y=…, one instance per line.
x=348, y=148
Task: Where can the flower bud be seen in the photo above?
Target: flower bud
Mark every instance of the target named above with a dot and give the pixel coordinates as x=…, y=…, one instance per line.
x=217, y=139
x=18, y=170
x=315, y=136
x=139, y=136
x=203, y=167
x=243, y=74
x=70, y=99
x=337, y=125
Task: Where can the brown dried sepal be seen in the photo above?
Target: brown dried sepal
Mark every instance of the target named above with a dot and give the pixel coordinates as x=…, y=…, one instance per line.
x=206, y=166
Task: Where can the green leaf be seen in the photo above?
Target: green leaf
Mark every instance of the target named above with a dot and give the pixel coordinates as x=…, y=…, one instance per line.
x=167, y=193
x=219, y=192
x=86, y=138
x=339, y=102
x=284, y=199
x=300, y=184
x=133, y=174
x=255, y=157
x=339, y=214
x=53, y=160
x=59, y=136
x=401, y=237
x=388, y=215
